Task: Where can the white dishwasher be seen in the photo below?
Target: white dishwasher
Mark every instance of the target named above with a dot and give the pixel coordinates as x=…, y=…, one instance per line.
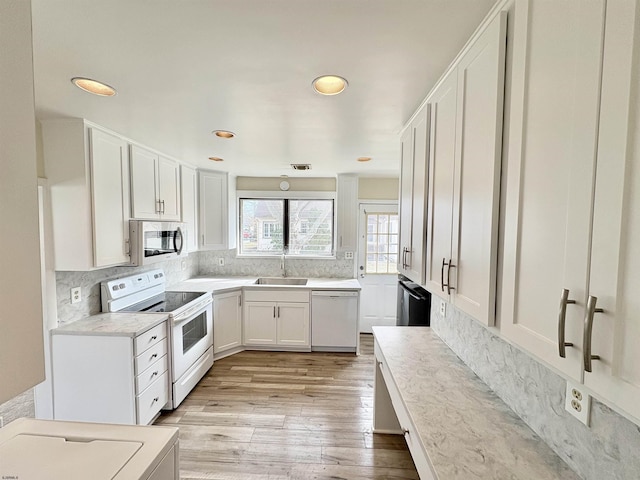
x=334, y=320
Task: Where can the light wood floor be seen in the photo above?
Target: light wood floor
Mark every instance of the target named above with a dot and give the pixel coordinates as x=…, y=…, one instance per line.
x=275, y=416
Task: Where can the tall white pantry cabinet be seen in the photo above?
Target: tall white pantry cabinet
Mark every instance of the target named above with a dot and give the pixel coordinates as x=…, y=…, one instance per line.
x=572, y=230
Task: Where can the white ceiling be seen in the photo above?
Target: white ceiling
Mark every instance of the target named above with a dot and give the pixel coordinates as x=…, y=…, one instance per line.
x=183, y=68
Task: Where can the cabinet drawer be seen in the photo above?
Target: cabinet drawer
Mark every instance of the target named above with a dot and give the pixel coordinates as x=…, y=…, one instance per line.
x=410, y=433
x=272, y=295
x=151, y=355
x=151, y=401
x=151, y=374
x=150, y=338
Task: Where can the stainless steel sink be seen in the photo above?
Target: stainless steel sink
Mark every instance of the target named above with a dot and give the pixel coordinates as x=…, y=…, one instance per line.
x=281, y=281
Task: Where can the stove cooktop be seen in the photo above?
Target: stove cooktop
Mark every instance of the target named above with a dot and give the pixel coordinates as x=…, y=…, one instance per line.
x=165, y=302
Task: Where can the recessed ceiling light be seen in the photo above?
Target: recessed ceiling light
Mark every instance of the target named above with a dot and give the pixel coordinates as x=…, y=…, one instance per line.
x=224, y=134
x=330, y=84
x=364, y=159
x=216, y=159
x=93, y=86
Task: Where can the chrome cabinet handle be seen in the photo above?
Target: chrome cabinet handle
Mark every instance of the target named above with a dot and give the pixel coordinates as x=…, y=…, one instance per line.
x=154, y=355
x=158, y=209
x=442, y=284
x=450, y=265
x=162, y=203
x=562, y=315
x=278, y=312
x=405, y=431
x=274, y=312
x=588, y=329
x=154, y=374
x=155, y=399
x=154, y=337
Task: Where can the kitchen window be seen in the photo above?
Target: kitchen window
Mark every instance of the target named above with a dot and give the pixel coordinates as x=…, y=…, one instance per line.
x=297, y=227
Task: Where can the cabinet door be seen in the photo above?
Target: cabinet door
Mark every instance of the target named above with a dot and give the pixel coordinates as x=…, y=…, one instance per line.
x=347, y=212
x=259, y=323
x=188, y=205
x=476, y=198
x=227, y=321
x=555, y=91
x=615, y=251
x=420, y=131
x=169, y=189
x=110, y=198
x=144, y=199
x=213, y=210
x=293, y=324
x=441, y=175
x=406, y=199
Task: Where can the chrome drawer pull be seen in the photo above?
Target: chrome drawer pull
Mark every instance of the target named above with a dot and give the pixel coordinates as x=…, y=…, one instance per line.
x=155, y=355
x=155, y=399
x=588, y=329
x=450, y=266
x=562, y=314
x=154, y=373
x=154, y=337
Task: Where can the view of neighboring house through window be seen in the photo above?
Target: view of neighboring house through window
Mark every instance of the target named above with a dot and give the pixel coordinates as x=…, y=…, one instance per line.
x=272, y=226
x=382, y=243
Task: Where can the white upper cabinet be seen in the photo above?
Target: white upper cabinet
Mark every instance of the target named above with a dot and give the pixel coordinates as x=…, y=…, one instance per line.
x=347, y=213
x=413, y=183
x=571, y=226
x=441, y=164
x=217, y=228
x=464, y=178
x=88, y=173
x=553, y=131
x=155, y=186
x=189, y=204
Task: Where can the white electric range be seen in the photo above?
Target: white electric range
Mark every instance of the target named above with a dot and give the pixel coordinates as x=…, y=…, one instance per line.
x=190, y=322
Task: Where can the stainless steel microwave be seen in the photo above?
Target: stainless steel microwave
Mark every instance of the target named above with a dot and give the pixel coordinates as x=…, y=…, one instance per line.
x=153, y=242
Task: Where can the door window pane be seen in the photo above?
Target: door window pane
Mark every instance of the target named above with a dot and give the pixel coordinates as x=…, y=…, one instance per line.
x=382, y=243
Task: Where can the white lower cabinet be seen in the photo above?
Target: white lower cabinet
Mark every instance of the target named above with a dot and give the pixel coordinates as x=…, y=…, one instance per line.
x=277, y=318
x=227, y=323
x=110, y=378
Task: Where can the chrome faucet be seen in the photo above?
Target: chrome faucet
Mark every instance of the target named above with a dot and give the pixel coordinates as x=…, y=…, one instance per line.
x=283, y=265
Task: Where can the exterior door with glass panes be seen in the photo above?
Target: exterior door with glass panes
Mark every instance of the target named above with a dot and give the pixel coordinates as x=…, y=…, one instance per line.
x=377, y=264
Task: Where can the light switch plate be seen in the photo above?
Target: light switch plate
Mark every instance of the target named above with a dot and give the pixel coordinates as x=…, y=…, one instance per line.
x=578, y=403
x=443, y=308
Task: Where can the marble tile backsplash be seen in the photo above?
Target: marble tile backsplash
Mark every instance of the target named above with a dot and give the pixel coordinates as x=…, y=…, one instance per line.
x=90, y=285
x=235, y=266
x=607, y=450
x=21, y=406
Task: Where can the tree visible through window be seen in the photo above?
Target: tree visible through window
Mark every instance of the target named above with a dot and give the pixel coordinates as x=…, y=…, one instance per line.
x=382, y=243
x=303, y=227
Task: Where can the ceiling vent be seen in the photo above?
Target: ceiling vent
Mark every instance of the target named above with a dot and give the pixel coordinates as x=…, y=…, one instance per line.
x=301, y=166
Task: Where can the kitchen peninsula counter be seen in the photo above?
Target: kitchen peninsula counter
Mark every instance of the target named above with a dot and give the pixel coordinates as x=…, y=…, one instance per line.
x=458, y=428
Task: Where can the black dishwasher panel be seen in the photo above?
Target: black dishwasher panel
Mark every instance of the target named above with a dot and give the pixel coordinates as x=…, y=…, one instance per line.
x=414, y=304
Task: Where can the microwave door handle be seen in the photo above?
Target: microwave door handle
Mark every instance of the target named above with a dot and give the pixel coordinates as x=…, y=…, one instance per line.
x=175, y=241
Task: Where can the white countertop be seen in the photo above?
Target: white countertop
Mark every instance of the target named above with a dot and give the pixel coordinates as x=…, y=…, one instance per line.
x=222, y=284
x=467, y=431
x=80, y=454
x=130, y=324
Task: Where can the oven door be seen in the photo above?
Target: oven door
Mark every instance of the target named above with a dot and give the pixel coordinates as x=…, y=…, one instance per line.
x=154, y=242
x=192, y=335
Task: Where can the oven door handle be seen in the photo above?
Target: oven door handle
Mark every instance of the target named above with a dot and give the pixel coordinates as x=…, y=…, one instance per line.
x=192, y=312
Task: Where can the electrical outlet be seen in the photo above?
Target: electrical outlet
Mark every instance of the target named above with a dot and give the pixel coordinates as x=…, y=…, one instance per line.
x=76, y=294
x=443, y=308
x=578, y=403
x=221, y=262
x=348, y=255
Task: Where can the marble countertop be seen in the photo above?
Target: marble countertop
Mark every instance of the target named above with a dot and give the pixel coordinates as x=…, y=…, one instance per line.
x=467, y=431
x=114, y=324
x=223, y=284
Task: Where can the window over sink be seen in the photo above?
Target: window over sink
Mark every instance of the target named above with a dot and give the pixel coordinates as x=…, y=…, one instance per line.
x=297, y=227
